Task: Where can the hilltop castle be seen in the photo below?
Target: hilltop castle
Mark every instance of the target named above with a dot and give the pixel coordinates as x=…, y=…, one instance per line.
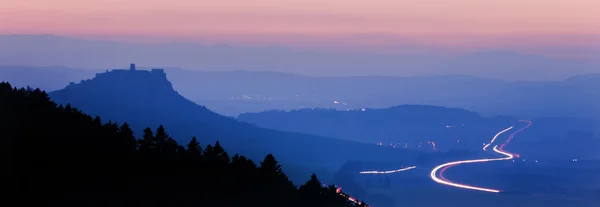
x=132, y=69
x=129, y=73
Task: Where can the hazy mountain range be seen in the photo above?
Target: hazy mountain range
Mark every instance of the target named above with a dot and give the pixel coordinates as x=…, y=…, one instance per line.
x=263, y=91
x=430, y=128
x=406, y=126
x=32, y=59
x=235, y=92
x=46, y=50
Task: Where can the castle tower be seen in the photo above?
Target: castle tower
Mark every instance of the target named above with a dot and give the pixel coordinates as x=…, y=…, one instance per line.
x=132, y=66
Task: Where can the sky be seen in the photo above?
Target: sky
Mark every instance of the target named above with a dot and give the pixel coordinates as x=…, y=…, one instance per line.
x=458, y=24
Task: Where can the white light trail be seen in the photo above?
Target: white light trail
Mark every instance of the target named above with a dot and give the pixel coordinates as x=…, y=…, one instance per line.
x=515, y=133
x=387, y=172
x=441, y=181
x=508, y=156
x=434, y=177
x=494, y=139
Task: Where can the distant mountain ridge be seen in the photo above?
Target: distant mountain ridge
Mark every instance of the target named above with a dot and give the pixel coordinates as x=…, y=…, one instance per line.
x=253, y=92
x=43, y=50
x=47, y=78
x=433, y=128
x=410, y=126
x=146, y=98
x=239, y=91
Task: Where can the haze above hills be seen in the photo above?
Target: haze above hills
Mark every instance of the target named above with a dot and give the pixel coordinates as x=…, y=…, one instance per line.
x=47, y=50
x=235, y=92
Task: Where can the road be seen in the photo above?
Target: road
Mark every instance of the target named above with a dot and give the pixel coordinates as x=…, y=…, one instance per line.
x=388, y=172
x=338, y=190
x=350, y=198
x=507, y=156
x=513, y=134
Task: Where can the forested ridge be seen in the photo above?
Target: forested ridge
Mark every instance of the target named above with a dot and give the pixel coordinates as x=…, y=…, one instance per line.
x=54, y=155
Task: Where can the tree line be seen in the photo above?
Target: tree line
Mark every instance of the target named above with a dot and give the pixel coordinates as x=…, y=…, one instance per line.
x=56, y=155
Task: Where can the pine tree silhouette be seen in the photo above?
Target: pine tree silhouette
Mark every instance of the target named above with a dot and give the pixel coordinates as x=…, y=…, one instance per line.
x=194, y=149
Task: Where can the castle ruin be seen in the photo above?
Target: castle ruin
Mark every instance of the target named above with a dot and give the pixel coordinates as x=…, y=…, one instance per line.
x=132, y=69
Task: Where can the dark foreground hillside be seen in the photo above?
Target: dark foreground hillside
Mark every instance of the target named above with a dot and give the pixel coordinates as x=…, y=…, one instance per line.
x=58, y=156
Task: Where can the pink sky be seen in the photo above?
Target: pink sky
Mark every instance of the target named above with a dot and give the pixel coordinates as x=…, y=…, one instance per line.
x=454, y=23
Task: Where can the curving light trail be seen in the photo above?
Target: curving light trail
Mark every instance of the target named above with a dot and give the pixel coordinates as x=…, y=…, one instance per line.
x=387, y=172
x=445, y=166
x=494, y=139
x=446, y=182
x=513, y=134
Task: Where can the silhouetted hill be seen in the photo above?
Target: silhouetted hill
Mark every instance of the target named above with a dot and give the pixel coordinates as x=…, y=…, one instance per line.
x=400, y=126
x=145, y=98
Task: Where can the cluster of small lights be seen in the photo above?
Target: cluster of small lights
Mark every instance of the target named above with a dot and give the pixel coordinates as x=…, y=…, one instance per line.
x=419, y=145
x=270, y=98
x=255, y=97
x=337, y=102
x=524, y=160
